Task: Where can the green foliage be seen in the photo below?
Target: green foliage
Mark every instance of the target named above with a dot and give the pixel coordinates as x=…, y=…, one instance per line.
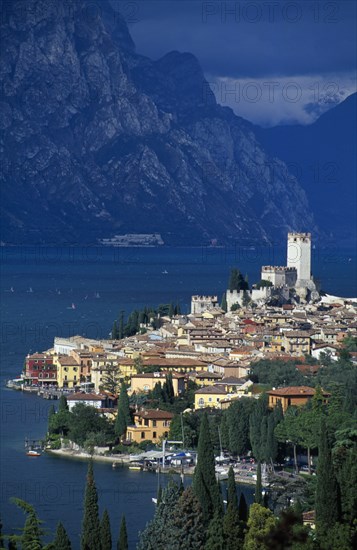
x=189, y=532
x=62, y=404
x=288, y=532
x=61, y=541
x=224, y=302
x=204, y=480
x=110, y=379
x=105, y=532
x=237, y=281
x=84, y=421
x=277, y=373
x=160, y=531
x=32, y=533
x=123, y=418
x=258, y=497
x=260, y=523
x=91, y=533
x=215, y=535
x=238, y=425
x=232, y=499
x=327, y=501
x=243, y=509
x=257, y=427
x=123, y=536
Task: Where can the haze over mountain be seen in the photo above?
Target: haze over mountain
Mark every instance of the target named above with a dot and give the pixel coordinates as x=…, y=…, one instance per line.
x=323, y=158
x=98, y=140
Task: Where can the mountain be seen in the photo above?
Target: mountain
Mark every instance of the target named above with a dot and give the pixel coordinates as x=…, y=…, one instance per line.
x=98, y=140
x=323, y=157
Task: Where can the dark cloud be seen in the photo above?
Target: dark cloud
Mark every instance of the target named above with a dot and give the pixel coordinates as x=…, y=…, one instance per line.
x=254, y=40
x=249, y=38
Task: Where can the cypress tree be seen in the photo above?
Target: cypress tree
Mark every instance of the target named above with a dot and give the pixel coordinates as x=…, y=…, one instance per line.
x=232, y=498
x=258, y=486
x=123, y=418
x=61, y=541
x=188, y=522
x=121, y=325
x=51, y=414
x=204, y=480
x=215, y=536
x=105, y=533
x=243, y=509
x=123, y=536
x=327, y=501
x=62, y=404
x=224, y=302
x=160, y=532
x=115, y=331
x=90, y=537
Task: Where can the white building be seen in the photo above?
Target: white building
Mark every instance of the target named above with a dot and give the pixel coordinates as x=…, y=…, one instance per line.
x=299, y=256
x=200, y=304
x=279, y=275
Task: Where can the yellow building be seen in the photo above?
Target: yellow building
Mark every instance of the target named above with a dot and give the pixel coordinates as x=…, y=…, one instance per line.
x=209, y=396
x=206, y=378
x=153, y=425
x=146, y=382
x=68, y=371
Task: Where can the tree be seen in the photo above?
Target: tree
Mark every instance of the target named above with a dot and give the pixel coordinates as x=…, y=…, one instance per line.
x=257, y=421
x=188, y=522
x=32, y=533
x=160, y=532
x=85, y=420
x=110, y=379
x=261, y=521
x=105, y=532
x=287, y=532
x=62, y=404
x=224, y=302
x=204, y=480
x=232, y=498
x=90, y=537
x=288, y=431
x=123, y=418
x=243, y=509
x=232, y=527
x=327, y=499
x=123, y=536
x=215, y=536
x=115, y=331
x=61, y=541
x=238, y=425
x=258, y=497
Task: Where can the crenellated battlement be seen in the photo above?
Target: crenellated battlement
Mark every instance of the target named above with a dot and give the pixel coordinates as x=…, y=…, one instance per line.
x=198, y=298
x=277, y=268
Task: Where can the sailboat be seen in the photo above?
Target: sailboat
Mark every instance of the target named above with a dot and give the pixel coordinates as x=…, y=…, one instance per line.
x=30, y=290
x=72, y=306
x=97, y=295
x=165, y=272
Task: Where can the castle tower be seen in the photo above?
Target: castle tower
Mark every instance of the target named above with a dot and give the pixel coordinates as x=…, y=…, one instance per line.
x=299, y=255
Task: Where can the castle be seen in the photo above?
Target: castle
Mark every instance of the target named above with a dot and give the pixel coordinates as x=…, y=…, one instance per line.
x=296, y=275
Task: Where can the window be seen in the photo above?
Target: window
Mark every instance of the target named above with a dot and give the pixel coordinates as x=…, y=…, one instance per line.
x=201, y=401
x=154, y=423
x=154, y=435
x=142, y=435
x=146, y=422
x=210, y=399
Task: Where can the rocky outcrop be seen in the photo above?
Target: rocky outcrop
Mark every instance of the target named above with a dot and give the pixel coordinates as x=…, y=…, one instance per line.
x=98, y=140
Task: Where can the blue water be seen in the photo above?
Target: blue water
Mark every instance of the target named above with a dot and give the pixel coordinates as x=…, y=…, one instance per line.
x=100, y=282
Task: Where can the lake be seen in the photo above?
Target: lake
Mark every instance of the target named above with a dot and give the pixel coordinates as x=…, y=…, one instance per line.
x=38, y=286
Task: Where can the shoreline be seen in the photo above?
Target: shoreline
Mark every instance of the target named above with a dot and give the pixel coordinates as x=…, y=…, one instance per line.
x=125, y=460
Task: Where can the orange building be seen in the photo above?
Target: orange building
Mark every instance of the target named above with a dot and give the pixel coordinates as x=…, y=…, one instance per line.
x=295, y=396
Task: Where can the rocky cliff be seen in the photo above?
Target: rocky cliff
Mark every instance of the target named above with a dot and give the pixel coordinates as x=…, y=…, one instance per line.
x=98, y=140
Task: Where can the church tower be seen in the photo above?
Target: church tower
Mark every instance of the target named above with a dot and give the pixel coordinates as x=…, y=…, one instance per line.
x=299, y=256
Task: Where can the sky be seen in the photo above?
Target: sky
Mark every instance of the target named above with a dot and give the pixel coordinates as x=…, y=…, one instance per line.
x=272, y=61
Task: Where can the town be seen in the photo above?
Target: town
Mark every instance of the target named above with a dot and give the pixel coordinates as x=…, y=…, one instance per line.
x=215, y=347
